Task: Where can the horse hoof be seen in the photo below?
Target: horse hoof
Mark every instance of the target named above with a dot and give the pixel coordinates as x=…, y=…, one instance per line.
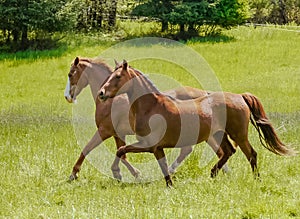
x=137, y=173
x=169, y=181
x=73, y=177
x=117, y=175
x=169, y=184
x=226, y=170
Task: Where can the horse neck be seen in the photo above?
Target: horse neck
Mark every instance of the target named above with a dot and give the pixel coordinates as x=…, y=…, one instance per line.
x=96, y=75
x=143, y=91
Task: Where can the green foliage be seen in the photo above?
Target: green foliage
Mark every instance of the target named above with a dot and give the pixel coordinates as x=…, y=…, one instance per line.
x=95, y=15
x=21, y=18
x=158, y=9
x=191, y=14
x=276, y=12
x=228, y=13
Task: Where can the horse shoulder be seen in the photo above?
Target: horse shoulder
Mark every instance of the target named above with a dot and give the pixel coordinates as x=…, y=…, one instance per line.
x=167, y=104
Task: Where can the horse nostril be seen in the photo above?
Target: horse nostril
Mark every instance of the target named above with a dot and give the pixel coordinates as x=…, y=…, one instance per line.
x=101, y=95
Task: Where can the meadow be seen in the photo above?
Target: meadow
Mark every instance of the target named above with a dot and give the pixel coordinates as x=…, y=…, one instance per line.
x=39, y=146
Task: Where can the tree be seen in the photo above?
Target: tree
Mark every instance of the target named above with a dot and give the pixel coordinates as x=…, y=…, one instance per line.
x=189, y=15
x=14, y=20
x=228, y=13
x=112, y=13
x=91, y=14
x=19, y=17
x=276, y=11
x=155, y=9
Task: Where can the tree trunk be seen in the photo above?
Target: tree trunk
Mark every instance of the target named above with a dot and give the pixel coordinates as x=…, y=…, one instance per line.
x=112, y=13
x=181, y=28
x=94, y=13
x=282, y=11
x=100, y=12
x=164, y=26
x=24, y=39
x=16, y=35
x=191, y=28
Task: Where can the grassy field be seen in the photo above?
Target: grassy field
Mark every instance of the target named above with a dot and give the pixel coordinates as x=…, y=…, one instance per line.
x=39, y=147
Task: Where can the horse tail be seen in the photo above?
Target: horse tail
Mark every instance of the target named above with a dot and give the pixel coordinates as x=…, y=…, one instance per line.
x=264, y=127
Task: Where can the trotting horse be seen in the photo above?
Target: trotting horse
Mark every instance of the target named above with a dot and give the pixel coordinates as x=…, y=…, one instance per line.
x=159, y=119
x=85, y=71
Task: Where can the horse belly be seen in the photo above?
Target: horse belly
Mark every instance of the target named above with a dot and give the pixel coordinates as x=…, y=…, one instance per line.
x=190, y=130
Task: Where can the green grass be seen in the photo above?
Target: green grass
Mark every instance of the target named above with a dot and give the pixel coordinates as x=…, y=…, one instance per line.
x=39, y=148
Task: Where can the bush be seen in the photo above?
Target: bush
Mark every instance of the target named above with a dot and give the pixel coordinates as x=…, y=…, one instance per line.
x=276, y=12
x=190, y=15
x=24, y=21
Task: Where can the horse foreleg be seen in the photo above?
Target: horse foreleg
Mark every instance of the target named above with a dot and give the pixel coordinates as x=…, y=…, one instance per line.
x=134, y=148
x=140, y=147
x=162, y=161
x=94, y=142
x=184, y=152
x=115, y=166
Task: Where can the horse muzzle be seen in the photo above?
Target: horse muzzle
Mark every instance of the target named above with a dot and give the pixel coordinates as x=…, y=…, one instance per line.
x=101, y=96
x=69, y=99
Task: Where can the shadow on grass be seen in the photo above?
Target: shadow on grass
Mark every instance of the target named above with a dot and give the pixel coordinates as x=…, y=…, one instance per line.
x=48, y=48
x=57, y=50
x=211, y=39
x=181, y=38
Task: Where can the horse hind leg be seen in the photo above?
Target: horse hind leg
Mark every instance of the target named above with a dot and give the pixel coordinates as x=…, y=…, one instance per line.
x=184, y=152
x=224, y=152
x=251, y=155
x=225, y=145
x=228, y=149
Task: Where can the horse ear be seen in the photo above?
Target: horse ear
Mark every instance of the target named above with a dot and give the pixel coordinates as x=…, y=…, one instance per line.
x=125, y=64
x=116, y=62
x=76, y=61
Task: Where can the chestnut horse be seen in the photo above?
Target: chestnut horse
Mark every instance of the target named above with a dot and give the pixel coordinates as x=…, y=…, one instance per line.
x=85, y=71
x=159, y=120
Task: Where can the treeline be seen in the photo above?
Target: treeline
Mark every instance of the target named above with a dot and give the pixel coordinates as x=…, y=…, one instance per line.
x=29, y=23
x=275, y=11
x=191, y=15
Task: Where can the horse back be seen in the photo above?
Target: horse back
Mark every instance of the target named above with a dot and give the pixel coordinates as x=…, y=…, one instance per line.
x=230, y=113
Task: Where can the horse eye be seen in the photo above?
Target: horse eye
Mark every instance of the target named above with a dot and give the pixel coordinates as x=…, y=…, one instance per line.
x=71, y=74
x=118, y=76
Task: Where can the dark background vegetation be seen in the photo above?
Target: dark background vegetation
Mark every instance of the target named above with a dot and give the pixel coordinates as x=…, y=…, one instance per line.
x=40, y=24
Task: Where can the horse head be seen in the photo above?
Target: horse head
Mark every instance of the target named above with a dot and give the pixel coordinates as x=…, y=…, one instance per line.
x=75, y=82
x=117, y=83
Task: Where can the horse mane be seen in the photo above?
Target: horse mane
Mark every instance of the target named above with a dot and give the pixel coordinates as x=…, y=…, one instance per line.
x=97, y=61
x=145, y=79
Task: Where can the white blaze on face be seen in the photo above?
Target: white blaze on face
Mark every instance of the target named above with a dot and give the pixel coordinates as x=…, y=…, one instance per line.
x=67, y=92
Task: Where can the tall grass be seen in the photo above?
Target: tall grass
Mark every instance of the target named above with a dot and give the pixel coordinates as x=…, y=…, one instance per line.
x=39, y=148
